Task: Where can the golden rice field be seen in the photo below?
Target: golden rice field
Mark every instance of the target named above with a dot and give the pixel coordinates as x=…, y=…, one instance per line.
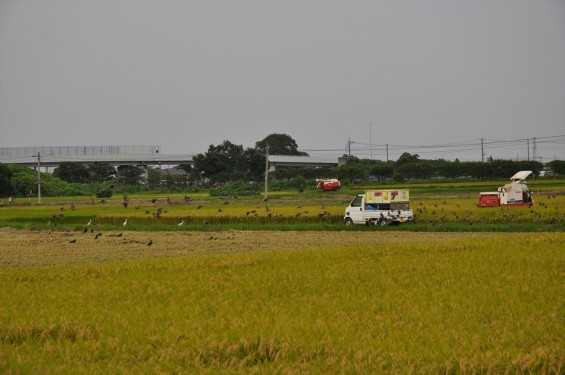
x=280, y=302
x=431, y=211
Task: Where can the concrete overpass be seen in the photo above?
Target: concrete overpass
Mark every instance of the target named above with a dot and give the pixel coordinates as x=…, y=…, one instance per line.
x=137, y=155
x=52, y=156
x=51, y=161
x=304, y=161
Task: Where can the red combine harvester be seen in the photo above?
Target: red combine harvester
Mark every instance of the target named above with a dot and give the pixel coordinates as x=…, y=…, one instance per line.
x=515, y=193
x=328, y=185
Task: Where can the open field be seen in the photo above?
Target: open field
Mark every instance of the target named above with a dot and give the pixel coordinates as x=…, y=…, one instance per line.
x=281, y=302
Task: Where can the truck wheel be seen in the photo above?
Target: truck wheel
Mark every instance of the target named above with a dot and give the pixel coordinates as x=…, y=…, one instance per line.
x=382, y=222
x=348, y=221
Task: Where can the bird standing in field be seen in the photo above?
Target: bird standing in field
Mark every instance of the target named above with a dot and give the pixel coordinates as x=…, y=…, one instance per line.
x=150, y=242
x=89, y=222
x=73, y=241
x=125, y=222
x=181, y=223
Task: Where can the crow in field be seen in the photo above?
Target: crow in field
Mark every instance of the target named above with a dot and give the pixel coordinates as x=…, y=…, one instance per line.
x=98, y=235
x=85, y=230
x=150, y=242
x=73, y=241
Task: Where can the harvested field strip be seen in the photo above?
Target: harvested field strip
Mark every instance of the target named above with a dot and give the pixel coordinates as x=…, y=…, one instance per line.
x=21, y=248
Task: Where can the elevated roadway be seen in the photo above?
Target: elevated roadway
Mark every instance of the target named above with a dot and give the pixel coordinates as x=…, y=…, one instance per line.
x=51, y=161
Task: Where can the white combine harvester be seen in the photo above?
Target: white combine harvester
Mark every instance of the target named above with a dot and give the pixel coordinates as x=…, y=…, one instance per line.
x=515, y=193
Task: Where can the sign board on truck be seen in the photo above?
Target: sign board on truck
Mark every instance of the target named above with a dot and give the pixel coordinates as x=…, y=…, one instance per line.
x=387, y=196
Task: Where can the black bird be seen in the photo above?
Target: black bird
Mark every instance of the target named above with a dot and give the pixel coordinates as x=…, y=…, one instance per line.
x=73, y=241
x=150, y=243
x=85, y=230
x=98, y=235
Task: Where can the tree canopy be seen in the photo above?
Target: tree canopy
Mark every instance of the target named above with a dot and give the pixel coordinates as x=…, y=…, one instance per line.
x=279, y=144
x=6, y=186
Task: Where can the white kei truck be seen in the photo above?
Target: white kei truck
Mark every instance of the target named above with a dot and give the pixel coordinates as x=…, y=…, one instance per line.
x=379, y=207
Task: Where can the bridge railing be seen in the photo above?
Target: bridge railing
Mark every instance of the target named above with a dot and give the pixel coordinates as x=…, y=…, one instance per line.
x=19, y=152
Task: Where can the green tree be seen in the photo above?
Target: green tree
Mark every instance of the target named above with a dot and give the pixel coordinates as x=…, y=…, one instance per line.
x=557, y=167
x=279, y=144
x=221, y=163
x=453, y=169
x=130, y=174
x=407, y=158
x=100, y=171
x=381, y=170
x=6, y=187
x=255, y=160
x=72, y=172
x=415, y=170
x=529, y=165
x=352, y=172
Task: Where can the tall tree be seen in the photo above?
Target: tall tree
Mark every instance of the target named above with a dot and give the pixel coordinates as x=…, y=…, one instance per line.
x=131, y=174
x=221, y=163
x=6, y=187
x=557, y=167
x=71, y=172
x=407, y=158
x=100, y=171
x=279, y=144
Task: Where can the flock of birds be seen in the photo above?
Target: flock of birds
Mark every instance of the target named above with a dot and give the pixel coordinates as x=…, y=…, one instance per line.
x=86, y=230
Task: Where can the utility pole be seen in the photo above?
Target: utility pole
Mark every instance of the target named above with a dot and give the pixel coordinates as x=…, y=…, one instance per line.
x=387, y=152
x=266, y=172
x=534, y=149
x=38, y=178
x=482, y=150
x=371, y=139
x=528, y=143
x=349, y=146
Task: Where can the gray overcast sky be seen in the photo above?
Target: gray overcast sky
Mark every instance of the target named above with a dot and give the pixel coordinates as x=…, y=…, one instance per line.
x=187, y=74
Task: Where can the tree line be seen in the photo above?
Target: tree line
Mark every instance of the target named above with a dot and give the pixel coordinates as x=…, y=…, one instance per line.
x=231, y=163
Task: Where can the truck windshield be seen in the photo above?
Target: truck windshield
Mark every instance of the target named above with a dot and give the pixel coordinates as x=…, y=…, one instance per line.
x=357, y=201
